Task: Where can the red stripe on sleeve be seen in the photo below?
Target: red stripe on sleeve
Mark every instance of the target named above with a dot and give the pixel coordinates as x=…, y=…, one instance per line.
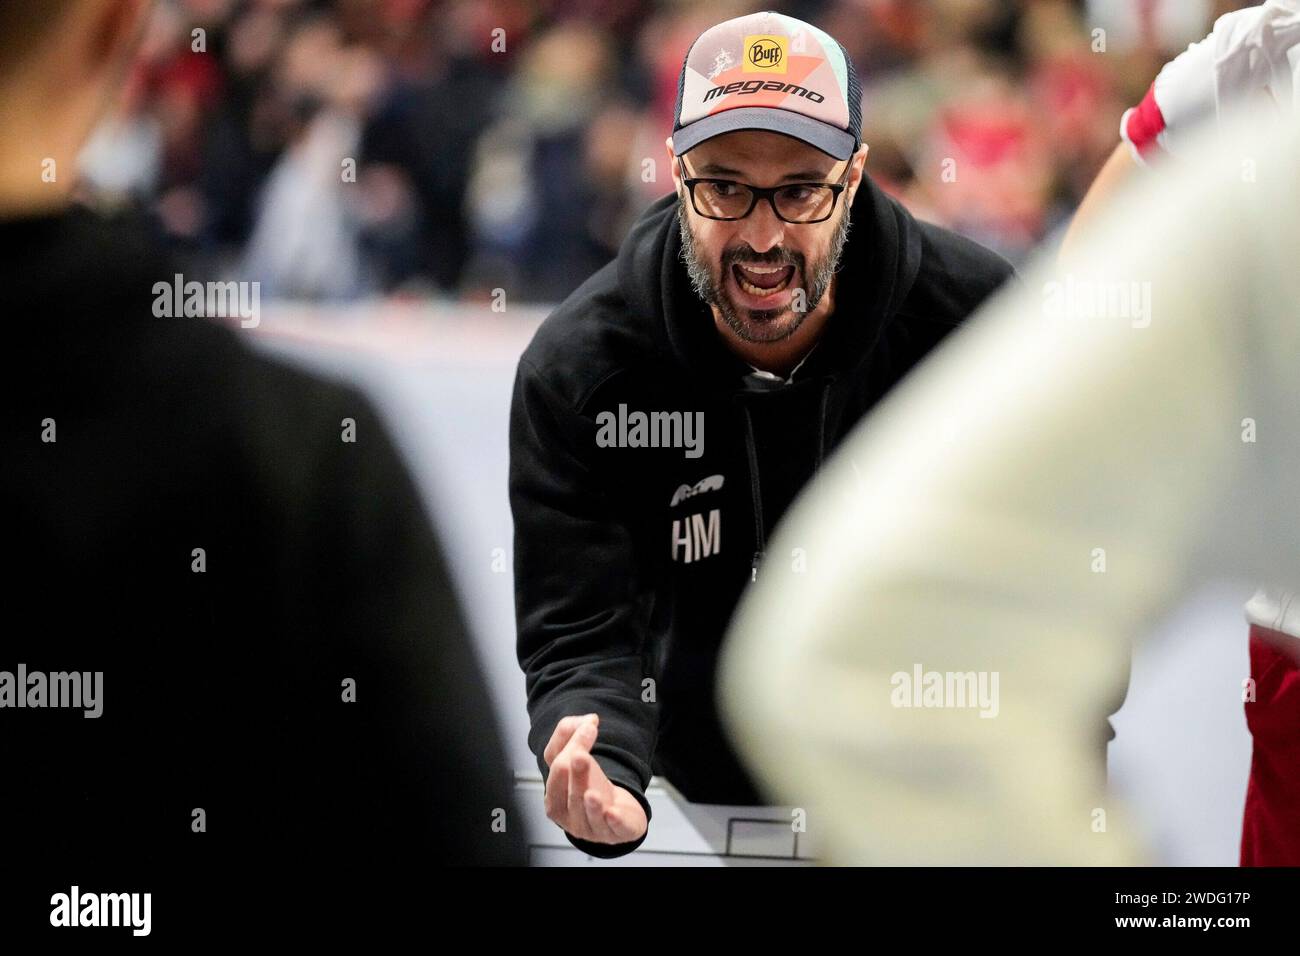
x=1144, y=123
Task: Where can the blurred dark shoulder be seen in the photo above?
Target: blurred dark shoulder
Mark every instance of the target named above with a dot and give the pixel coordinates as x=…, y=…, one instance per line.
x=79, y=294
x=225, y=538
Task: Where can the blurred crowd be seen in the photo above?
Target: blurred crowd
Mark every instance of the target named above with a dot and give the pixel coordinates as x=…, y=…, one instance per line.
x=335, y=149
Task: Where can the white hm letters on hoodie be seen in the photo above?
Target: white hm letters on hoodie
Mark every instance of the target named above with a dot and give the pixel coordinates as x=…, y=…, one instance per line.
x=697, y=536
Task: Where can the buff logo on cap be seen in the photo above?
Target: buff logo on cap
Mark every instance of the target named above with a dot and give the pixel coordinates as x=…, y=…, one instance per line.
x=768, y=71
x=766, y=54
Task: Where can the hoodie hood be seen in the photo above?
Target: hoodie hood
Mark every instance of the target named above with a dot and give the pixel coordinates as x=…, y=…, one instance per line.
x=881, y=259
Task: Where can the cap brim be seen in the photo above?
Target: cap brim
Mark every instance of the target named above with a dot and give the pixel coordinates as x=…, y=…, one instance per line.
x=830, y=140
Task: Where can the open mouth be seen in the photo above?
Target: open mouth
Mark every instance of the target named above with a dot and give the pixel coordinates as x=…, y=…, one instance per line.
x=762, y=281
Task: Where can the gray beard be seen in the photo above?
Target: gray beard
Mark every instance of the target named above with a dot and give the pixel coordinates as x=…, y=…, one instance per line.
x=761, y=321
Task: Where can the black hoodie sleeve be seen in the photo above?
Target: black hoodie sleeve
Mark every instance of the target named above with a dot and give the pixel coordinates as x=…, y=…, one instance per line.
x=580, y=603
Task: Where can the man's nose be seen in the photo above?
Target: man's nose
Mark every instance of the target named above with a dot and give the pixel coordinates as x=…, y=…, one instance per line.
x=762, y=229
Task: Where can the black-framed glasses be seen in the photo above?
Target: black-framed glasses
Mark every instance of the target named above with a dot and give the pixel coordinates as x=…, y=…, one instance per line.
x=797, y=203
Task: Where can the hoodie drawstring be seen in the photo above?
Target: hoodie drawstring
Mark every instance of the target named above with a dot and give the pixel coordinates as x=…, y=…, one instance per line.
x=751, y=448
x=821, y=425
x=755, y=492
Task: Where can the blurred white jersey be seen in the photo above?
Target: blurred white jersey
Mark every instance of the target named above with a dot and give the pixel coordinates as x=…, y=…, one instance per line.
x=1062, y=470
x=1251, y=54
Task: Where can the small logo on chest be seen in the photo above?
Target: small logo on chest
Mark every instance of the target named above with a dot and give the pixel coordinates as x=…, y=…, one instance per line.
x=697, y=536
x=711, y=483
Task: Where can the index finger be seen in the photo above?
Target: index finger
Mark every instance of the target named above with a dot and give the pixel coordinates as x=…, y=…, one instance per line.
x=564, y=731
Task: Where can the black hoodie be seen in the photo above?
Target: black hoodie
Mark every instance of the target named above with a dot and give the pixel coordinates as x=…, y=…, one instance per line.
x=222, y=683
x=630, y=560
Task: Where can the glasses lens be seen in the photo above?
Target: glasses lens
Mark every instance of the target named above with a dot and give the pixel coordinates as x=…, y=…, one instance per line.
x=805, y=203
x=722, y=200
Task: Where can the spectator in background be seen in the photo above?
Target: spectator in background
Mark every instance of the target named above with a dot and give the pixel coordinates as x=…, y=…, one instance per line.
x=536, y=195
x=442, y=88
x=460, y=144
x=305, y=239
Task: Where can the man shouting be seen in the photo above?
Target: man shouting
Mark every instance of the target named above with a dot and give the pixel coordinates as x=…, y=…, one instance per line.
x=670, y=409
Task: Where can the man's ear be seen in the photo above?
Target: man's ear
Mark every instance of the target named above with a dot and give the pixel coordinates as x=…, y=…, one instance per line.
x=673, y=168
x=857, y=169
